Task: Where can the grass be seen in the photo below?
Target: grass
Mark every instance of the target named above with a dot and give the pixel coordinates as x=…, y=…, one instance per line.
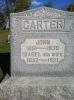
x=4, y=46
x=1, y=73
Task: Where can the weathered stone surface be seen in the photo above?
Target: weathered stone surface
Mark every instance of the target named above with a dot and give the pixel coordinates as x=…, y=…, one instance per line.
x=6, y=77
x=37, y=88
x=42, y=43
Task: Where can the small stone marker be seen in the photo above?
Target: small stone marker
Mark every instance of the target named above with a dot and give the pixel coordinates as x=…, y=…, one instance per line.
x=42, y=43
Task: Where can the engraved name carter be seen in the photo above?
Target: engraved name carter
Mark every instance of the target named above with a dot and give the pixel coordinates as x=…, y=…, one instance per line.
x=43, y=24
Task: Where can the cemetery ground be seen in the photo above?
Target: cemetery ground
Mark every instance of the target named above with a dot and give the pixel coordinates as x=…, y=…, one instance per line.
x=4, y=46
x=4, y=53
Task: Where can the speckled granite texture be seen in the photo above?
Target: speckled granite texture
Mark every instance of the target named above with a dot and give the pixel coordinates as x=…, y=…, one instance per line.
x=20, y=67
x=37, y=88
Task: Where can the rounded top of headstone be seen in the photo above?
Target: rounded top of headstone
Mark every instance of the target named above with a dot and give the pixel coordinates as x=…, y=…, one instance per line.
x=42, y=11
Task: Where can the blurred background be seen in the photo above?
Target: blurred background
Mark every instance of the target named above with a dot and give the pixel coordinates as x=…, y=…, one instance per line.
x=9, y=6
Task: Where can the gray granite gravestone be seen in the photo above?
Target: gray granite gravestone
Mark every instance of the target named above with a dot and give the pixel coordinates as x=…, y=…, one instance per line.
x=42, y=43
x=42, y=48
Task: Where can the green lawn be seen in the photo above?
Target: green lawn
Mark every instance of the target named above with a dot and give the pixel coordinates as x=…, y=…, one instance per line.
x=4, y=45
x=1, y=73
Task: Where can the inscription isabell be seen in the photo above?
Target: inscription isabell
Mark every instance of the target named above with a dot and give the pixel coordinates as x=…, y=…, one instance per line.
x=43, y=24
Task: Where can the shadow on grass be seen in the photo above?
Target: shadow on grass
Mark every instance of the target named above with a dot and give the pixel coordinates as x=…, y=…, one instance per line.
x=5, y=64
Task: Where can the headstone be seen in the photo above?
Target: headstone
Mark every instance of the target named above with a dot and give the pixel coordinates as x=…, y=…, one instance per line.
x=42, y=43
x=42, y=52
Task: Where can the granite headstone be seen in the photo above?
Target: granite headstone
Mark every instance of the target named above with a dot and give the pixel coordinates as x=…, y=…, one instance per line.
x=42, y=43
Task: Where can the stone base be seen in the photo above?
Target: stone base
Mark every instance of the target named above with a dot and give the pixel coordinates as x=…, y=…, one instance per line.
x=37, y=88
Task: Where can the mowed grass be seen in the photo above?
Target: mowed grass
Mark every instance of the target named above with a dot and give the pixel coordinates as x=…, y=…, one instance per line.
x=1, y=74
x=4, y=45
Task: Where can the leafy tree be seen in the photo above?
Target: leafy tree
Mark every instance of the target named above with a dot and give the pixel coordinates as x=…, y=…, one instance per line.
x=49, y=4
x=21, y=5
x=70, y=7
x=2, y=21
x=16, y=6
x=9, y=7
